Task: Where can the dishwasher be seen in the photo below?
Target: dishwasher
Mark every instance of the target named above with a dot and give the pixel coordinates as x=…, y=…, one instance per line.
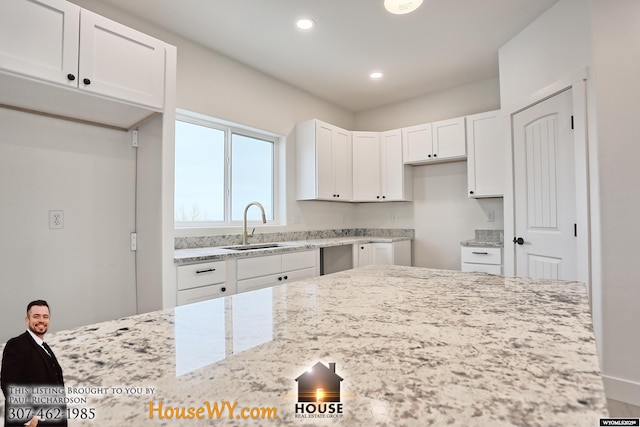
x=336, y=258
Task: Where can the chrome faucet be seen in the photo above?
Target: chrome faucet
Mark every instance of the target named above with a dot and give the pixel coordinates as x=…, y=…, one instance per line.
x=245, y=235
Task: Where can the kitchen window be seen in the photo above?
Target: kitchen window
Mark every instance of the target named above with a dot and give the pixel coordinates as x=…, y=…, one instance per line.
x=219, y=169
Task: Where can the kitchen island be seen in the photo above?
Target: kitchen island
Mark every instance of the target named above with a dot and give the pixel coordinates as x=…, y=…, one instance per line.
x=407, y=346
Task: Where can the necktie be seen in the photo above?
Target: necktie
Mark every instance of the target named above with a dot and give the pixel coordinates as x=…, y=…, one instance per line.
x=46, y=347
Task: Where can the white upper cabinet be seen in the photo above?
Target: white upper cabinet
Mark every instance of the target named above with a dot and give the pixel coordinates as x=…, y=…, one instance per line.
x=378, y=172
x=44, y=46
x=52, y=52
x=366, y=166
x=486, y=158
x=417, y=143
x=119, y=62
x=435, y=142
x=324, y=162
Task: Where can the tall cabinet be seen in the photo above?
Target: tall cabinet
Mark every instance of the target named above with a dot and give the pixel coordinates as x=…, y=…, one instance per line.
x=486, y=159
x=324, y=164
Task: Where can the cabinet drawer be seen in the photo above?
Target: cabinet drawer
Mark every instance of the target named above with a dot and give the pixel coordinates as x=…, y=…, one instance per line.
x=259, y=266
x=479, y=255
x=204, y=293
x=197, y=275
x=298, y=260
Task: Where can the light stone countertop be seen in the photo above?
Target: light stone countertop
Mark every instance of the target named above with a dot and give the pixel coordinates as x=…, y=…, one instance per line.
x=413, y=346
x=216, y=253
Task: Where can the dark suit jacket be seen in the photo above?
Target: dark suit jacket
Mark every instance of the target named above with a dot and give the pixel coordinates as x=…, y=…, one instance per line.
x=25, y=363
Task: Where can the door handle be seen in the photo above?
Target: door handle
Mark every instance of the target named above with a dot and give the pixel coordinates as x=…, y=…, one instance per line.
x=518, y=240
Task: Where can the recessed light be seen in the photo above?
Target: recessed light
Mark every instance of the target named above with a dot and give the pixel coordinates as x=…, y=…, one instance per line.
x=376, y=75
x=400, y=7
x=305, y=24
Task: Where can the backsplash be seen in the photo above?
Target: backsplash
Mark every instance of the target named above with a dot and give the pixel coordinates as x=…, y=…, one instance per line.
x=496, y=236
x=236, y=239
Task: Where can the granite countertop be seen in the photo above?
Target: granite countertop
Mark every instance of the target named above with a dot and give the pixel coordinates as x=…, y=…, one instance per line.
x=215, y=253
x=486, y=239
x=412, y=347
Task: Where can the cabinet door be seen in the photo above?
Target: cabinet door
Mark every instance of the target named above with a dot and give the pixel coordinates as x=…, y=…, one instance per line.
x=366, y=166
x=486, y=155
x=259, y=282
x=324, y=161
x=417, y=143
x=364, y=254
x=382, y=254
x=449, y=140
x=39, y=39
x=120, y=62
x=393, y=173
x=342, y=164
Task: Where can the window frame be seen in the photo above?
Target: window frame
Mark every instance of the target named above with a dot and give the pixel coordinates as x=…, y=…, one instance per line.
x=230, y=128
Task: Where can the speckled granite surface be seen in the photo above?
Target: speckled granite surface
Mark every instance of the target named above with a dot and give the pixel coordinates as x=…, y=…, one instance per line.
x=186, y=256
x=487, y=239
x=261, y=237
x=415, y=347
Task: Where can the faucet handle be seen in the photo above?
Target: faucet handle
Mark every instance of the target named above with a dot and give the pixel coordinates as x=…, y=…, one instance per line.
x=252, y=231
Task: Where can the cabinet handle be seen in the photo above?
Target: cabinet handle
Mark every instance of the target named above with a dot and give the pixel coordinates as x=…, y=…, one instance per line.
x=205, y=271
x=435, y=155
x=71, y=77
x=223, y=289
x=429, y=155
x=470, y=192
x=280, y=278
x=286, y=277
x=518, y=240
x=361, y=247
x=377, y=197
x=384, y=197
x=480, y=253
x=86, y=81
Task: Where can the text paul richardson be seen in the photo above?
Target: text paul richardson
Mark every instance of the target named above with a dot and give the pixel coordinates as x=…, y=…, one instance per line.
x=210, y=410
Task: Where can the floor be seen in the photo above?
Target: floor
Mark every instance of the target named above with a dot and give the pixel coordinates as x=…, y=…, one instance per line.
x=619, y=409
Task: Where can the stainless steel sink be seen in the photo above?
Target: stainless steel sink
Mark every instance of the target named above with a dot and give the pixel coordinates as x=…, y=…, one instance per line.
x=253, y=247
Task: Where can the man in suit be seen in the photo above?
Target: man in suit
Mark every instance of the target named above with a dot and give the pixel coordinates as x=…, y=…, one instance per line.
x=31, y=377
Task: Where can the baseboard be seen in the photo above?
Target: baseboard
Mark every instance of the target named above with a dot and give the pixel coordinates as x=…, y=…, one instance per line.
x=622, y=390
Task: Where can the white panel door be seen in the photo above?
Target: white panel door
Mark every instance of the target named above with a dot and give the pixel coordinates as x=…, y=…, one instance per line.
x=544, y=190
x=120, y=62
x=449, y=139
x=391, y=167
x=366, y=166
x=40, y=39
x=342, y=164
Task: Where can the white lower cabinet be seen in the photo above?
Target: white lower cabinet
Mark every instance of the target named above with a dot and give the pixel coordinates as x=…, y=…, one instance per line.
x=393, y=253
x=270, y=270
x=204, y=281
x=481, y=259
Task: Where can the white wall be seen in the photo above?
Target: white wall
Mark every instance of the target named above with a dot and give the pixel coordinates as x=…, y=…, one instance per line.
x=85, y=271
x=616, y=90
x=604, y=36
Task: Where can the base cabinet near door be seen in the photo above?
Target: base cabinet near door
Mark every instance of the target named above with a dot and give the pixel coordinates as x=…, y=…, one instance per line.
x=203, y=281
x=382, y=253
x=481, y=259
x=270, y=270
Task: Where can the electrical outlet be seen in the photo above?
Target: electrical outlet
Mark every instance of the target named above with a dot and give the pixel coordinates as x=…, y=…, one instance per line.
x=296, y=218
x=394, y=217
x=56, y=219
x=491, y=216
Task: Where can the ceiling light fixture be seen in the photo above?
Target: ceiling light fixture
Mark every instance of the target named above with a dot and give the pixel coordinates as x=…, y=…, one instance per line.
x=376, y=75
x=400, y=7
x=305, y=24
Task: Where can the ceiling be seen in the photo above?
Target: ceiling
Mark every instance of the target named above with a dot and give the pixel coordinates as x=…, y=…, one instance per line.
x=445, y=43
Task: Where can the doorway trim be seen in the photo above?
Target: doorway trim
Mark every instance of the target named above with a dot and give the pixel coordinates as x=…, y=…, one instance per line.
x=577, y=82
